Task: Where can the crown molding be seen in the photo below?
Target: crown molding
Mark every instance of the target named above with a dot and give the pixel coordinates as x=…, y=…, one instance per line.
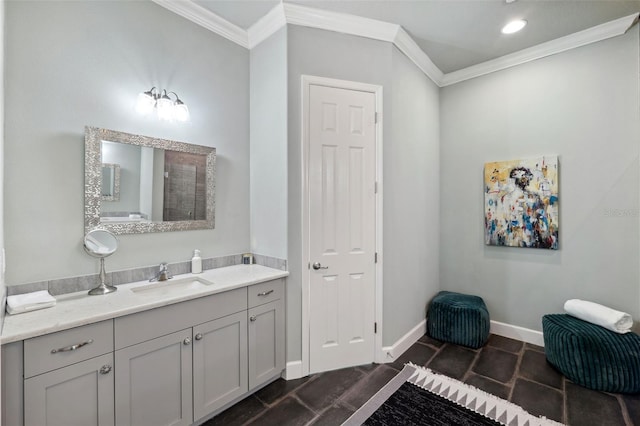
x=591, y=35
x=340, y=22
x=364, y=27
x=289, y=13
x=207, y=19
x=410, y=48
x=267, y=26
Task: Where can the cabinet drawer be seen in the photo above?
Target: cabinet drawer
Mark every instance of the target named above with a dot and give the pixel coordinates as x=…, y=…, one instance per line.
x=260, y=294
x=147, y=325
x=56, y=350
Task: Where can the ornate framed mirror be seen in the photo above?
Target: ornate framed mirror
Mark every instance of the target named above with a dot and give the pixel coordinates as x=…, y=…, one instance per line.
x=163, y=185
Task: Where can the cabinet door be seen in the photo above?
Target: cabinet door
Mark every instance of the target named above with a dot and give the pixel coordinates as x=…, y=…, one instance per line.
x=219, y=363
x=12, y=392
x=78, y=395
x=266, y=342
x=153, y=382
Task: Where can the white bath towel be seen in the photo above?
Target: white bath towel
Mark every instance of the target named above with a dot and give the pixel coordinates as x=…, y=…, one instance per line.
x=613, y=320
x=20, y=303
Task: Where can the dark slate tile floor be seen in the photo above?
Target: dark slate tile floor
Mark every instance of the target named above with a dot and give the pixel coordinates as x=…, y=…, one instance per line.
x=508, y=368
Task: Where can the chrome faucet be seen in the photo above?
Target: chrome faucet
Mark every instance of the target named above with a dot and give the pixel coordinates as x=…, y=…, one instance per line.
x=163, y=273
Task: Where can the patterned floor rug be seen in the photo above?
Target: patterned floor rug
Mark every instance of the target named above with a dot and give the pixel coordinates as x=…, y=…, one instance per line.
x=418, y=396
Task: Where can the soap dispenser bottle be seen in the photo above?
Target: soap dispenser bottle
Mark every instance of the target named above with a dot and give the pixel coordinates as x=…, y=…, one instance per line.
x=196, y=262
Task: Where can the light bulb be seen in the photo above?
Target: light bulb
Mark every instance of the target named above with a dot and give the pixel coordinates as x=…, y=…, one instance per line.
x=165, y=108
x=181, y=112
x=145, y=103
x=514, y=26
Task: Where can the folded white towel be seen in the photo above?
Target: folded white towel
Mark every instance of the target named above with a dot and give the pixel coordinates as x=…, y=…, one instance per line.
x=613, y=320
x=20, y=303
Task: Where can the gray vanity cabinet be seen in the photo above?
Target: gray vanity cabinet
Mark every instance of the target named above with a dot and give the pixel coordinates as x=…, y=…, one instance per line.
x=80, y=394
x=219, y=363
x=68, y=377
x=171, y=365
x=156, y=362
x=153, y=382
x=266, y=342
x=266, y=332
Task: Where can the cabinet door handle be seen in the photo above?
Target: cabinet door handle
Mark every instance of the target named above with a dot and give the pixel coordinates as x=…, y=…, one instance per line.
x=105, y=369
x=187, y=341
x=72, y=347
x=199, y=336
x=265, y=293
x=253, y=318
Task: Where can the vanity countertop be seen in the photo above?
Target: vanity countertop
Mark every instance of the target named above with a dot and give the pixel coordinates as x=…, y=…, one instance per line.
x=76, y=309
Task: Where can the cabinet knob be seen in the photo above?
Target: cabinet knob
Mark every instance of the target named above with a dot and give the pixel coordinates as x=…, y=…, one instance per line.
x=187, y=341
x=253, y=318
x=199, y=336
x=105, y=369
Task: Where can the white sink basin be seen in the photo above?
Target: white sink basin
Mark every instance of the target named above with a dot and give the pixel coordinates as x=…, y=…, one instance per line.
x=172, y=286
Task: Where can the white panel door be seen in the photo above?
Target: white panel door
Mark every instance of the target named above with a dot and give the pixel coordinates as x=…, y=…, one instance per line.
x=342, y=227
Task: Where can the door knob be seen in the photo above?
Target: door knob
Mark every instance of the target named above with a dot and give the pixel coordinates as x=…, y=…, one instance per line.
x=317, y=266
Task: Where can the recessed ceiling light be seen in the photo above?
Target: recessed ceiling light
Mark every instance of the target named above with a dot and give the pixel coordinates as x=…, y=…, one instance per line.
x=514, y=26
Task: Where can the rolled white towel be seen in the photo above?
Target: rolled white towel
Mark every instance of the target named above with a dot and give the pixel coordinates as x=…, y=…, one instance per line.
x=620, y=322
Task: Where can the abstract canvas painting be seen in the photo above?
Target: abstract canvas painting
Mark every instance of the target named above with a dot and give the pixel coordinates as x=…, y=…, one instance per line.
x=521, y=203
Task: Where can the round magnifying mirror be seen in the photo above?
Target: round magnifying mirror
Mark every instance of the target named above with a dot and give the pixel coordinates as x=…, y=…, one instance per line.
x=101, y=243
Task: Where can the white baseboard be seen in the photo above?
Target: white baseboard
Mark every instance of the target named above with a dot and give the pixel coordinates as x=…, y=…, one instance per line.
x=391, y=353
x=516, y=332
x=293, y=370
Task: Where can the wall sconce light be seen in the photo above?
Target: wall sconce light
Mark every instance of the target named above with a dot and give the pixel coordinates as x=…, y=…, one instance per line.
x=166, y=108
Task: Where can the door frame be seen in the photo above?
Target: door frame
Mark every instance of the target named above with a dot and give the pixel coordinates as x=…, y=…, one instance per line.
x=307, y=81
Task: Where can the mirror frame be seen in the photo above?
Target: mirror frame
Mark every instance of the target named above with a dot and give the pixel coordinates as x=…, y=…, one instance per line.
x=93, y=182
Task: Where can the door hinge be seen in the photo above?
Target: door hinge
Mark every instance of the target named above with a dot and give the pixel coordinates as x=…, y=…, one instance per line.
x=375, y=187
x=375, y=257
x=377, y=118
x=309, y=265
x=375, y=328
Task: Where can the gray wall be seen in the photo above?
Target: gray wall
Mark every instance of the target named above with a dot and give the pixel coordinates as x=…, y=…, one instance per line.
x=71, y=64
x=411, y=198
x=410, y=144
x=583, y=106
x=268, y=164
x=3, y=289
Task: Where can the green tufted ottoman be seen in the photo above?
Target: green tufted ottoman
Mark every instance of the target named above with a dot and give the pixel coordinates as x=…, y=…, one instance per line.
x=592, y=356
x=458, y=318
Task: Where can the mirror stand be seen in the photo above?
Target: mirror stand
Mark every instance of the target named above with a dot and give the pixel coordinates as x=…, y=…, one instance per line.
x=103, y=288
x=101, y=243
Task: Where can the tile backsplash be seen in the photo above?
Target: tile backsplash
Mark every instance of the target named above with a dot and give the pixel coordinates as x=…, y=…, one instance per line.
x=86, y=282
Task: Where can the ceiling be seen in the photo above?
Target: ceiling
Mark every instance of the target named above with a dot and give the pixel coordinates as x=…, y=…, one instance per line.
x=455, y=34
